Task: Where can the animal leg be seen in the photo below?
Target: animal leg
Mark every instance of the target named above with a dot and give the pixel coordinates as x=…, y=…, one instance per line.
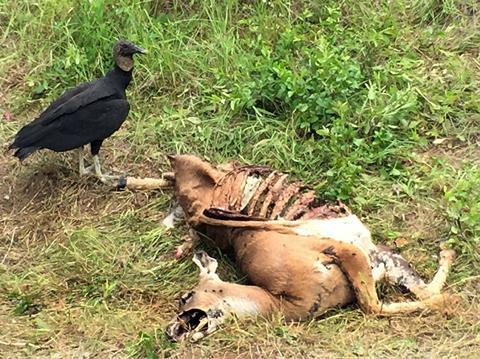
x=143, y=184
x=189, y=241
x=434, y=302
x=357, y=268
x=446, y=260
x=399, y=272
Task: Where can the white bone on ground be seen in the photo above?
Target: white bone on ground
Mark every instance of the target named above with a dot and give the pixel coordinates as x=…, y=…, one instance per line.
x=174, y=216
x=197, y=336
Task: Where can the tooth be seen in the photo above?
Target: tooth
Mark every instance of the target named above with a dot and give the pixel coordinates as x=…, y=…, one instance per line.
x=201, y=324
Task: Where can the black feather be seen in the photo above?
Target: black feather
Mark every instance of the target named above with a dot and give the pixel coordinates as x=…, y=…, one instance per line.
x=88, y=113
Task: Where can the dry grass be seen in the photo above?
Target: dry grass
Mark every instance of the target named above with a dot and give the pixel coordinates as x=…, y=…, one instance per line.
x=43, y=204
x=89, y=272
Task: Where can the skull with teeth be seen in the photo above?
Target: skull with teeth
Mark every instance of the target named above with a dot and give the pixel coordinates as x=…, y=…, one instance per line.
x=202, y=309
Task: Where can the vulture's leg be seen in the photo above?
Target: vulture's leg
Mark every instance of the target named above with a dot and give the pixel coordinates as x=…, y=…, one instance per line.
x=95, y=148
x=98, y=171
x=81, y=163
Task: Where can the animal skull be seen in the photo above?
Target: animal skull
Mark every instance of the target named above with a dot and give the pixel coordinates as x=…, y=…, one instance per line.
x=205, y=308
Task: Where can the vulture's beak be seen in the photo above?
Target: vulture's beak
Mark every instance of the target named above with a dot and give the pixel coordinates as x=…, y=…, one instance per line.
x=140, y=50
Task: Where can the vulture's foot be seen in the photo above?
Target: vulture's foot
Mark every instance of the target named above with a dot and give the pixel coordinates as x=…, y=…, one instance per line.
x=86, y=170
x=107, y=179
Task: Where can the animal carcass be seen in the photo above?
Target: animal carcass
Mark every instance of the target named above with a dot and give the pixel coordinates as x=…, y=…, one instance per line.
x=301, y=256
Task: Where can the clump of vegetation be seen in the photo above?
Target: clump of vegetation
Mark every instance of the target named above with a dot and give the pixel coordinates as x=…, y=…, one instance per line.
x=374, y=103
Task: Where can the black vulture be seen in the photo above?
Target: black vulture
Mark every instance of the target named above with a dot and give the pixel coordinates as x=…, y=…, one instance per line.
x=86, y=114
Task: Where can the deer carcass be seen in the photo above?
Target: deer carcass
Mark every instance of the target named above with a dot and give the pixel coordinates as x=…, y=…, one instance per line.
x=302, y=257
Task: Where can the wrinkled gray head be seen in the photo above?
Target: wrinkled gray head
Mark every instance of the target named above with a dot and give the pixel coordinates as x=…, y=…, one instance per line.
x=123, y=52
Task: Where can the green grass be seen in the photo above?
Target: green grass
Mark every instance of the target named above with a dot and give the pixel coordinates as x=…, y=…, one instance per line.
x=375, y=103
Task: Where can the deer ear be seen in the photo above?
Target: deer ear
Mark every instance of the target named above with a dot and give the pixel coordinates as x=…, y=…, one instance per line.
x=207, y=265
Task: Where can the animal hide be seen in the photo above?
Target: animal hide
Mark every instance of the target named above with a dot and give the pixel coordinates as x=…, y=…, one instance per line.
x=245, y=193
x=303, y=256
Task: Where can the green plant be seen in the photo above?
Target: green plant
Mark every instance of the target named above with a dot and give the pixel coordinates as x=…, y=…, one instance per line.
x=374, y=103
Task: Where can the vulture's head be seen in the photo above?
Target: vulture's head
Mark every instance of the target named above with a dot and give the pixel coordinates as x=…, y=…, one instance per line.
x=123, y=52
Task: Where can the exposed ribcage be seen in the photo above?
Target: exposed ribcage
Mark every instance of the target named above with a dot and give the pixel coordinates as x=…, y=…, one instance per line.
x=260, y=192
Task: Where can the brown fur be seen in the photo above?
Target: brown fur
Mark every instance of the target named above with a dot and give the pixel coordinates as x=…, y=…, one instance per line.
x=283, y=265
x=293, y=268
x=270, y=253
x=194, y=184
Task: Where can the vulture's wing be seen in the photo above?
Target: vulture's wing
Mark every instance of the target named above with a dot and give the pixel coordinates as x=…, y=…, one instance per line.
x=72, y=101
x=75, y=99
x=94, y=122
x=97, y=121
